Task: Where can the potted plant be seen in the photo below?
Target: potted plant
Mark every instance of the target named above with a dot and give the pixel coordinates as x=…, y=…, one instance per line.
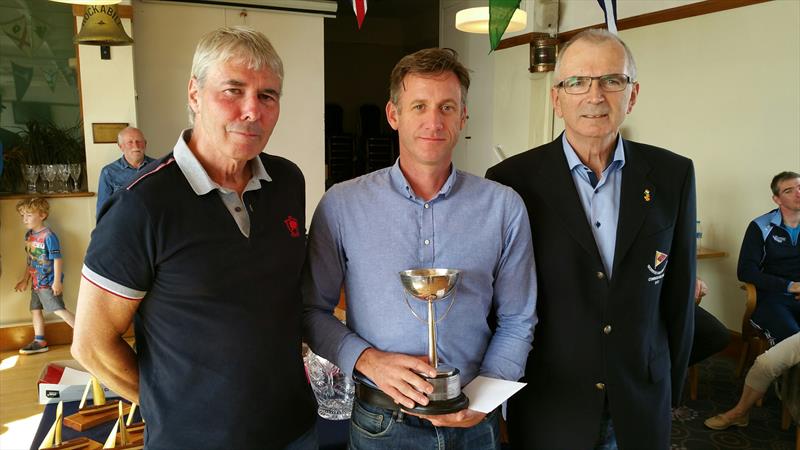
x=41, y=143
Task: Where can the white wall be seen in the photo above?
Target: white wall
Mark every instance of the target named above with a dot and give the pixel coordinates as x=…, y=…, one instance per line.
x=166, y=37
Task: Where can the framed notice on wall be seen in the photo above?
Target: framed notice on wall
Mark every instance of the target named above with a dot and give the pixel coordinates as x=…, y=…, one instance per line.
x=106, y=133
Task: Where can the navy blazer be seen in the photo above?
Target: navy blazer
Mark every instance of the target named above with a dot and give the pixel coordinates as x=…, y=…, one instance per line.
x=626, y=339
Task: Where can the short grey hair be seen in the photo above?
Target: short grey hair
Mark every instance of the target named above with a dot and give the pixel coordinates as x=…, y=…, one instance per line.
x=239, y=43
x=598, y=36
x=124, y=131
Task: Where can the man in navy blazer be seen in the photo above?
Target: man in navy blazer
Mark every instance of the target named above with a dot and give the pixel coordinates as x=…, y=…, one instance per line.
x=613, y=226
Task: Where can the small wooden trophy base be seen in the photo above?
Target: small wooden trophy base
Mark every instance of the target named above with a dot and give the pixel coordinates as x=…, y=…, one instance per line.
x=135, y=434
x=137, y=446
x=81, y=443
x=92, y=416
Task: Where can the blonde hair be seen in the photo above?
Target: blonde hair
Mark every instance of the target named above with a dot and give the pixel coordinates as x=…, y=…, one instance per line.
x=35, y=204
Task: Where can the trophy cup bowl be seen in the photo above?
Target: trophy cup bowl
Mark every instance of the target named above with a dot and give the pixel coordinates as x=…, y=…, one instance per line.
x=433, y=285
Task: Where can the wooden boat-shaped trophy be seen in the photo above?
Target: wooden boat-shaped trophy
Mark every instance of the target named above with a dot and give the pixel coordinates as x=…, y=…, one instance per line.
x=53, y=438
x=100, y=412
x=120, y=438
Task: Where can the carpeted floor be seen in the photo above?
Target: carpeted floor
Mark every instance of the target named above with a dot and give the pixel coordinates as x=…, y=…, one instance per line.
x=718, y=391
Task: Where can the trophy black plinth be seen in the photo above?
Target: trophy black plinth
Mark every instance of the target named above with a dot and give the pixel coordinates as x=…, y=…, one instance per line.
x=446, y=397
x=436, y=408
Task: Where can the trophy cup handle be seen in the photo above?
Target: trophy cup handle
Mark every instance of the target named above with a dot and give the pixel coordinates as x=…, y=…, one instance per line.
x=449, y=307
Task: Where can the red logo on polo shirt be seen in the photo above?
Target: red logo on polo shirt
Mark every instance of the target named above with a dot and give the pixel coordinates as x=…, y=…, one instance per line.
x=291, y=225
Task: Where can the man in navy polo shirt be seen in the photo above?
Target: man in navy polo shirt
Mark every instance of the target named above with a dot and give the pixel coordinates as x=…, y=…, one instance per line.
x=770, y=259
x=204, y=254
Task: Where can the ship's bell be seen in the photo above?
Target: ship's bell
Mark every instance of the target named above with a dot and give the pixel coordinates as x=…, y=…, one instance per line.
x=102, y=26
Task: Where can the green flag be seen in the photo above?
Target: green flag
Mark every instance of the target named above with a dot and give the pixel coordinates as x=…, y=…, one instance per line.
x=500, y=12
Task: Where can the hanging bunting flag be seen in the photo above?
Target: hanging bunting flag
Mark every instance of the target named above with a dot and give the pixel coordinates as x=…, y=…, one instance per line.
x=17, y=31
x=39, y=34
x=22, y=79
x=67, y=72
x=50, y=78
x=500, y=12
x=610, y=11
x=360, y=8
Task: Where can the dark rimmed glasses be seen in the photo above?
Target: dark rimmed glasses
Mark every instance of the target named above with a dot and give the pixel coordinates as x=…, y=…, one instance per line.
x=613, y=82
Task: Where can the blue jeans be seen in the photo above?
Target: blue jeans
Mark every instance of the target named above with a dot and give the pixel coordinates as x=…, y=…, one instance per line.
x=308, y=441
x=377, y=428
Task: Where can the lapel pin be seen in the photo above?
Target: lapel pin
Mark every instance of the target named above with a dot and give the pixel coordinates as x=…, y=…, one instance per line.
x=647, y=195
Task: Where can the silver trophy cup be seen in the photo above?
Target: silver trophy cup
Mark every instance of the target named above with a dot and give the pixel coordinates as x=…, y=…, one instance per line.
x=433, y=285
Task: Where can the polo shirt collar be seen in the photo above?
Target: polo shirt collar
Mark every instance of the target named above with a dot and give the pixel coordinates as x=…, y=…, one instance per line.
x=197, y=176
x=402, y=186
x=777, y=218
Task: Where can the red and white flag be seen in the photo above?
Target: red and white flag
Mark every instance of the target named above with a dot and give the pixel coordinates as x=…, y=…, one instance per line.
x=360, y=8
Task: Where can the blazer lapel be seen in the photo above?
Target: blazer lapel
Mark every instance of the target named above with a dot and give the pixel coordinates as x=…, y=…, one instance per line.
x=637, y=190
x=562, y=196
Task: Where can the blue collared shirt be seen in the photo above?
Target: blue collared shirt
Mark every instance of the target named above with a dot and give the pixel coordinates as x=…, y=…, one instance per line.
x=600, y=202
x=367, y=230
x=115, y=176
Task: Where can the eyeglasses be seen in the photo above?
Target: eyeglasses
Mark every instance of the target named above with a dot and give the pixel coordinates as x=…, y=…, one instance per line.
x=613, y=82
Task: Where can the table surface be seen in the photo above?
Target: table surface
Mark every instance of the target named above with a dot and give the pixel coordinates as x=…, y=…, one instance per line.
x=708, y=253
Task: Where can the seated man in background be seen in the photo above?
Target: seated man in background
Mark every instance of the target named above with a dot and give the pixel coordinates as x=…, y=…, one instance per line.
x=770, y=259
x=120, y=173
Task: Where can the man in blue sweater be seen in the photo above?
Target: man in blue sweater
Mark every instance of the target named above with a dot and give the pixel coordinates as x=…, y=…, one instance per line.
x=770, y=259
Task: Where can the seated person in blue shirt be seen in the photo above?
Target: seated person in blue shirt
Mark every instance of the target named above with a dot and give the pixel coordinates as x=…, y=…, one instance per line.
x=770, y=259
x=421, y=213
x=120, y=173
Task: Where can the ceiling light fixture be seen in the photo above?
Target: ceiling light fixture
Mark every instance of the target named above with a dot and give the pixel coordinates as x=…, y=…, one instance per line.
x=476, y=20
x=88, y=2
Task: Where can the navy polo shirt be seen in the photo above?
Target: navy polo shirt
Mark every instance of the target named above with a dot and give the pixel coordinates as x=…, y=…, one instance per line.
x=218, y=327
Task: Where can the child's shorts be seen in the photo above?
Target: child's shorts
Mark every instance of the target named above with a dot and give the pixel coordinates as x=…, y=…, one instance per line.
x=44, y=299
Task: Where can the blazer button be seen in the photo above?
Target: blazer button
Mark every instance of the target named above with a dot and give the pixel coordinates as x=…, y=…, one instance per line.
x=600, y=386
x=607, y=329
x=600, y=275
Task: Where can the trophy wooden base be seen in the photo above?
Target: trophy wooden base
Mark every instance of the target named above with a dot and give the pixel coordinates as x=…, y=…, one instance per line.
x=439, y=407
x=135, y=434
x=136, y=446
x=81, y=443
x=92, y=416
